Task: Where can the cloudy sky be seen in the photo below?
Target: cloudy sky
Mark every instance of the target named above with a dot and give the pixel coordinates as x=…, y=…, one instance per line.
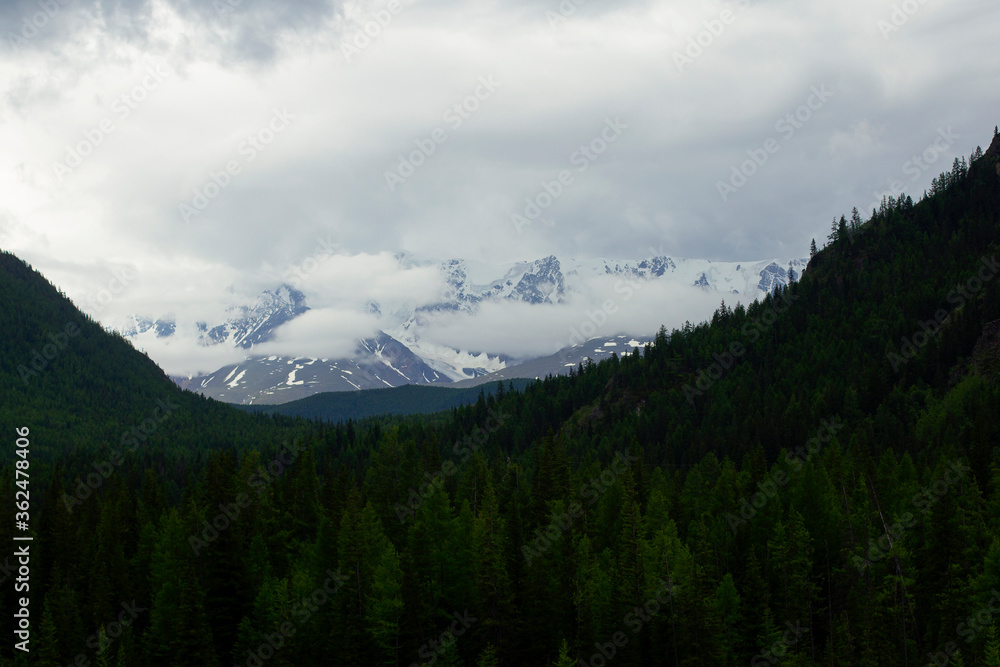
x=189, y=147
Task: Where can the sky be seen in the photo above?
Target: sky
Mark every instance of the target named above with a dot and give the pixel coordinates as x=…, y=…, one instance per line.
x=180, y=151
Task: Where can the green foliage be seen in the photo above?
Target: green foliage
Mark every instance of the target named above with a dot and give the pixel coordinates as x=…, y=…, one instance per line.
x=564, y=659
x=830, y=496
x=410, y=399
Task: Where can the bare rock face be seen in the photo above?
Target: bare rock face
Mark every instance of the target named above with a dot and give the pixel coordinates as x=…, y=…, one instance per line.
x=994, y=148
x=993, y=153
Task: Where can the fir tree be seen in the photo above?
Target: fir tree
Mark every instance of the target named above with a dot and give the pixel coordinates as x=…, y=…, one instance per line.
x=488, y=656
x=992, y=655
x=385, y=606
x=564, y=659
x=48, y=640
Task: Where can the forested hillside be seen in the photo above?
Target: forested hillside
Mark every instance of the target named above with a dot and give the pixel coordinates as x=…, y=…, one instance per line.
x=408, y=399
x=811, y=480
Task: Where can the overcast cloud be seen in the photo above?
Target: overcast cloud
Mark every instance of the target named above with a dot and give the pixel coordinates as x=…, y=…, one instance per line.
x=202, y=146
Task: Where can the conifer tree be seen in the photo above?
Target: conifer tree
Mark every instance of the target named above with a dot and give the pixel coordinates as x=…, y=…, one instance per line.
x=992, y=656
x=385, y=606
x=727, y=607
x=48, y=640
x=564, y=659
x=856, y=221
x=493, y=586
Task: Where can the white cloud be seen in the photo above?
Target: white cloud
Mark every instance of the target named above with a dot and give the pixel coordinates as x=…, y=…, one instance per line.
x=184, y=357
x=361, y=278
x=605, y=307
x=321, y=333
x=324, y=176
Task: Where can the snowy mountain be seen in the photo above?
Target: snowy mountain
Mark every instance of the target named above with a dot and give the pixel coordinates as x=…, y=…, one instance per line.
x=554, y=281
x=245, y=326
x=596, y=349
x=380, y=362
x=551, y=280
x=400, y=353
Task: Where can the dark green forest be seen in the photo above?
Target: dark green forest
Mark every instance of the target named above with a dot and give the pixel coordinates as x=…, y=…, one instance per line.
x=813, y=479
x=408, y=399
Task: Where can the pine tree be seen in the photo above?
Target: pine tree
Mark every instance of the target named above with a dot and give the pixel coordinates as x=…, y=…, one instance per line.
x=564, y=660
x=493, y=586
x=727, y=607
x=448, y=655
x=630, y=566
x=834, y=227
x=193, y=643
x=756, y=610
x=488, y=656
x=792, y=553
x=179, y=630
x=48, y=640
x=385, y=605
x=104, y=649
x=121, y=661
x=992, y=655
x=856, y=221
x=361, y=541
x=812, y=249
x=552, y=480
x=769, y=634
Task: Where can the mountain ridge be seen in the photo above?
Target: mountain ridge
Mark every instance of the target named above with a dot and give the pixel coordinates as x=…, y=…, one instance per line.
x=547, y=281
